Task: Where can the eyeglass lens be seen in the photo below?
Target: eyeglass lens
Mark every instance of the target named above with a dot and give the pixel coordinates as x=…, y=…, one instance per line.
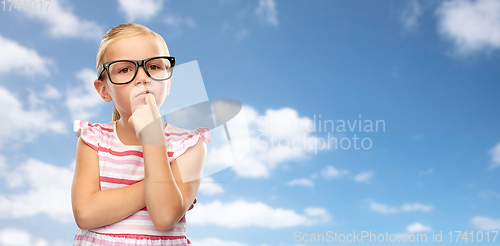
x=123, y=72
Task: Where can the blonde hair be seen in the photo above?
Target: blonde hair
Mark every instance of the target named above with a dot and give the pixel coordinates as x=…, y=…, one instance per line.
x=124, y=31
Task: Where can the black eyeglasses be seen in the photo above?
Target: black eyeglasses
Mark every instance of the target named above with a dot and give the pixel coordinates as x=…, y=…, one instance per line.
x=124, y=71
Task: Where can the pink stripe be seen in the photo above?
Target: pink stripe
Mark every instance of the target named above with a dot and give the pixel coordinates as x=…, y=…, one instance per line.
x=108, y=185
x=128, y=161
x=107, y=129
x=205, y=135
x=94, y=240
x=143, y=236
x=124, y=161
x=147, y=217
x=121, y=171
x=176, y=134
x=118, y=181
x=138, y=217
x=91, y=129
x=143, y=227
x=121, y=153
x=109, y=135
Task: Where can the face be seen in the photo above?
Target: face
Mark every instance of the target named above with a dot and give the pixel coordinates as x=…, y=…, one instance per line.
x=128, y=97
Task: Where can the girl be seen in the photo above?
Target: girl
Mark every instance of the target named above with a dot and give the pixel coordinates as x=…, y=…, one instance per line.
x=136, y=176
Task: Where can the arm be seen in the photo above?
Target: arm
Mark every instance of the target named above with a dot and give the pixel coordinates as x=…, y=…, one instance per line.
x=166, y=196
x=92, y=207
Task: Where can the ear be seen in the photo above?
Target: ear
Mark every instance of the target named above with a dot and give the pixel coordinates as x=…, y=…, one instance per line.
x=101, y=89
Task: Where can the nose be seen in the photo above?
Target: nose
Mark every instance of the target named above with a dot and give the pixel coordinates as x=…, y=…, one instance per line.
x=141, y=76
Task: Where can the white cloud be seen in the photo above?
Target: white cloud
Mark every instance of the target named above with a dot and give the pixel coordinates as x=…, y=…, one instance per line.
x=23, y=125
x=209, y=187
x=140, y=10
x=175, y=20
x=417, y=227
x=50, y=92
x=331, y=172
x=36, y=99
x=302, y=182
x=17, y=237
x=267, y=12
x=63, y=23
x=83, y=102
x=409, y=16
x=495, y=157
x=487, y=194
x=21, y=60
x=407, y=207
x=472, y=26
x=383, y=208
x=246, y=214
x=429, y=171
x=485, y=223
x=49, y=191
x=212, y=241
x=365, y=177
x=242, y=33
x=275, y=138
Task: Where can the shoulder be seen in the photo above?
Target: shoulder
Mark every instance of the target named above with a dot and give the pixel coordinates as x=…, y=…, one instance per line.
x=80, y=125
x=180, y=140
x=91, y=134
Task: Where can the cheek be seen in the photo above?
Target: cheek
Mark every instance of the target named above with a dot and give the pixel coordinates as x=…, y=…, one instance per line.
x=160, y=90
x=121, y=97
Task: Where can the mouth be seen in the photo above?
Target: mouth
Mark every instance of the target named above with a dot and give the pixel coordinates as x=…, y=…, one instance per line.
x=143, y=93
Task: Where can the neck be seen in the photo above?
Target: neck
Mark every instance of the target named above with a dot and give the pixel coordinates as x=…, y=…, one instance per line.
x=126, y=133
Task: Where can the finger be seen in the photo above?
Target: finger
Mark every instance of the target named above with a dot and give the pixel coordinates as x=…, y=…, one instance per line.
x=150, y=98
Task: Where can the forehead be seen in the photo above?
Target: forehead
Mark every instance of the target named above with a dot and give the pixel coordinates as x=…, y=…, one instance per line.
x=136, y=47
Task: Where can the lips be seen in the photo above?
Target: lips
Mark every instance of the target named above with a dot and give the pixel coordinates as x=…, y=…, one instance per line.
x=143, y=93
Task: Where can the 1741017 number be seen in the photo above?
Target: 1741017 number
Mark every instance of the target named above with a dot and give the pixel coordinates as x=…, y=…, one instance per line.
x=24, y=5
x=479, y=236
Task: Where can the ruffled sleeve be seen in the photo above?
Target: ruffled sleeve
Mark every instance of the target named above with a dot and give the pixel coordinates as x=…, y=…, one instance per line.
x=180, y=140
x=90, y=133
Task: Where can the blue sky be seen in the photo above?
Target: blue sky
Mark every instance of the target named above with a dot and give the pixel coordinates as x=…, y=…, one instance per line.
x=427, y=69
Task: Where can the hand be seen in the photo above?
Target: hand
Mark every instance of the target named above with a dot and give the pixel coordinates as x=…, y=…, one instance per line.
x=147, y=123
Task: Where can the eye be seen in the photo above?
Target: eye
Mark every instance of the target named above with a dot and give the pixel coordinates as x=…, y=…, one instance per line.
x=153, y=67
x=124, y=70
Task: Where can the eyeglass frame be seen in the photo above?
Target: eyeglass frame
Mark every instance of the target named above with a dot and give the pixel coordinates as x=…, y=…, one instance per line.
x=138, y=64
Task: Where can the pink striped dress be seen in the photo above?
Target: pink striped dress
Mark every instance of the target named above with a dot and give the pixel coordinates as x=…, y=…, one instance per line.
x=121, y=165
